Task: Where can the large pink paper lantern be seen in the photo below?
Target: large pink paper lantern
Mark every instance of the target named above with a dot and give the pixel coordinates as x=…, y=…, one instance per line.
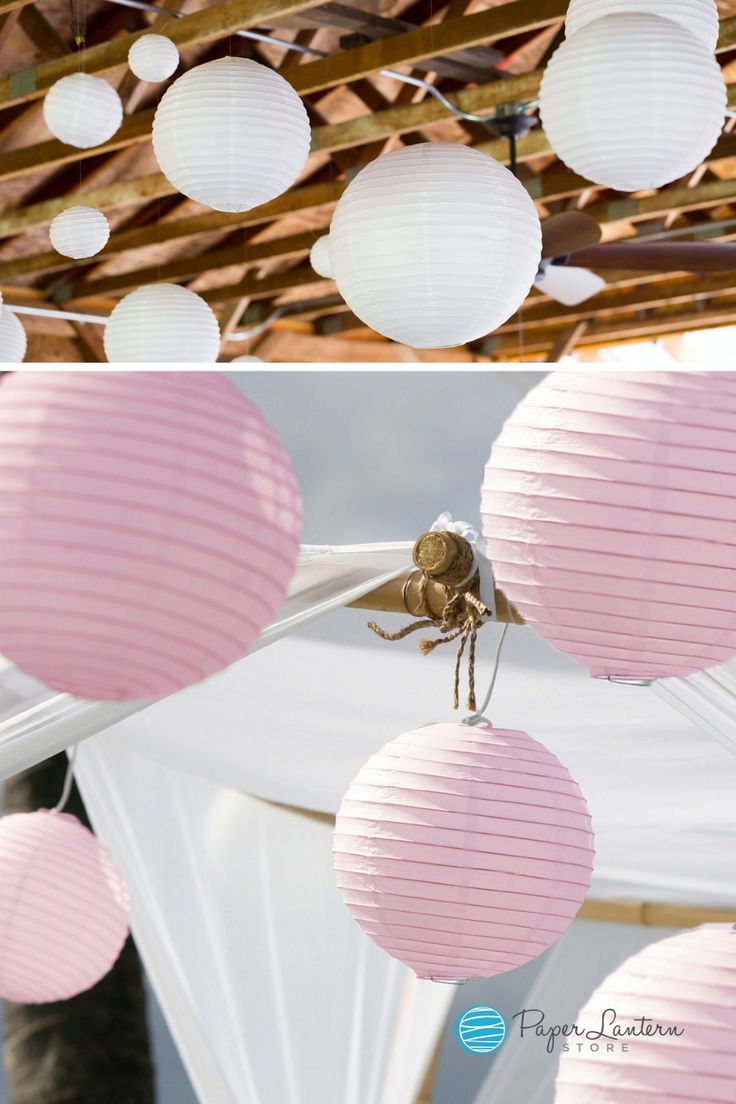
x=686, y=982
x=149, y=527
x=63, y=908
x=608, y=513
x=463, y=850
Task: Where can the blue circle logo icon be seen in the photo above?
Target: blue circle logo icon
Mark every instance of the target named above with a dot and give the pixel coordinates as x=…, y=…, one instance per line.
x=480, y=1030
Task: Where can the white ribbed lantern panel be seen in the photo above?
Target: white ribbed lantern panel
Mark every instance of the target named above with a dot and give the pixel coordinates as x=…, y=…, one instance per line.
x=435, y=245
x=82, y=110
x=319, y=257
x=699, y=17
x=63, y=908
x=79, y=232
x=162, y=323
x=13, y=340
x=608, y=514
x=687, y=982
x=231, y=133
x=464, y=851
x=633, y=102
x=153, y=57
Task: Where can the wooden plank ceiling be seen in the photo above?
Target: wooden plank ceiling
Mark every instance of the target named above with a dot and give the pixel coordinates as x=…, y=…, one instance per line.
x=479, y=53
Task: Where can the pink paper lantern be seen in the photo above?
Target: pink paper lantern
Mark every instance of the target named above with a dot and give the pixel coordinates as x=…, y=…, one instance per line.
x=463, y=850
x=149, y=527
x=686, y=982
x=63, y=908
x=608, y=513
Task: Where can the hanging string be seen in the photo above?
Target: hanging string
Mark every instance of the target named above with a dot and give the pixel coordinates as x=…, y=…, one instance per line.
x=478, y=716
x=68, y=780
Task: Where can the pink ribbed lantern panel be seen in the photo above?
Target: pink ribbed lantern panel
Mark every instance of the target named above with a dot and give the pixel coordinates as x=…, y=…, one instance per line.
x=63, y=908
x=608, y=512
x=463, y=851
x=687, y=981
x=149, y=527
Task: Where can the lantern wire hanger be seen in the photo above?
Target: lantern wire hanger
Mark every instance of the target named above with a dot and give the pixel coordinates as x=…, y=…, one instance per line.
x=68, y=780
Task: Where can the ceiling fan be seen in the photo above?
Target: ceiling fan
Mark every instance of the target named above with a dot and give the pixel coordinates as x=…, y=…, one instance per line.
x=571, y=242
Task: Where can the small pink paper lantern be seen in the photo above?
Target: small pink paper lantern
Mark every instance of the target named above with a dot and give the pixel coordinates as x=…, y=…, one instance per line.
x=63, y=908
x=608, y=514
x=463, y=850
x=686, y=982
x=149, y=527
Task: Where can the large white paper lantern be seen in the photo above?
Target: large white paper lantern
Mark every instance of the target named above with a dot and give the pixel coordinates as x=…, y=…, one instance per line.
x=633, y=102
x=161, y=323
x=435, y=245
x=319, y=257
x=700, y=17
x=231, y=133
x=79, y=232
x=13, y=340
x=153, y=57
x=82, y=110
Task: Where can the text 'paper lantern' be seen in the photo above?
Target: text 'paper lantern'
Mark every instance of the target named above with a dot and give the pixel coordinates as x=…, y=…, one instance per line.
x=686, y=982
x=149, y=527
x=463, y=850
x=13, y=340
x=153, y=57
x=609, y=520
x=63, y=908
x=434, y=245
x=162, y=323
x=82, y=110
x=231, y=133
x=79, y=232
x=633, y=102
x=699, y=17
x=319, y=257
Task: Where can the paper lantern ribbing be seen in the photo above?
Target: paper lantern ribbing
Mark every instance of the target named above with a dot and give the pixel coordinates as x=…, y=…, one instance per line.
x=608, y=517
x=231, y=133
x=153, y=58
x=699, y=17
x=13, y=340
x=82, y=110
x=162, y=323
x=686, y=982
x=319, y=257
x=434, y=245
x=79, y=232
x=63, y=908
x=463, y=850
x=149, y=527
x=633, y=102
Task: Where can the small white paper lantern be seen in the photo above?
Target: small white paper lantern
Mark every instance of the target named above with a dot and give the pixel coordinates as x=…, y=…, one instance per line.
x=82, y=111
x=153, y=58
x=633, y=102
x=231, y=134
x=700, y=17
x=435, y=245
x=13, y=340
x=79, y=232
x=162, y=323
x=319, y=257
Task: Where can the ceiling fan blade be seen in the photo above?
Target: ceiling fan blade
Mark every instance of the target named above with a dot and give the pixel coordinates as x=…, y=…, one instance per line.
x=568, y=232
x=568, y=285
x=660, y=256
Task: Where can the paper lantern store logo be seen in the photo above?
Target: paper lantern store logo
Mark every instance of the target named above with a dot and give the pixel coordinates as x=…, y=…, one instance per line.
x=480, y=1030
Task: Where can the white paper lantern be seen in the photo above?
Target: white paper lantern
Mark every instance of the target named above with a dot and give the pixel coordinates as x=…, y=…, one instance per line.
x=82, y=111
x=153, y=57
x=435, y=245
x=319, y=257
x=247, y=358
x=79, y=232
x=700, y=17
x=162, y=323
x=231, y=133
x=13, y=340
x=633, y=102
